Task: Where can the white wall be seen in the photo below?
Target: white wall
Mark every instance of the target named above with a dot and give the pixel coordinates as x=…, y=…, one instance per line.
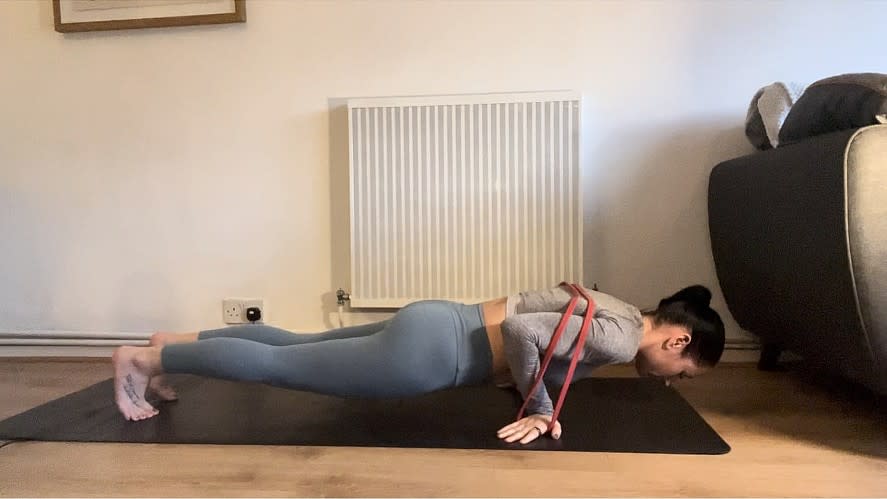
x=147, y=174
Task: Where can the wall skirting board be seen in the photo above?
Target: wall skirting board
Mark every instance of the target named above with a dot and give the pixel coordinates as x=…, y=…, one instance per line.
x=60, y=343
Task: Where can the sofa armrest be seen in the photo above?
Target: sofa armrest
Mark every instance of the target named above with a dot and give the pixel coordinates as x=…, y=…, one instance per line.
x=779, y=241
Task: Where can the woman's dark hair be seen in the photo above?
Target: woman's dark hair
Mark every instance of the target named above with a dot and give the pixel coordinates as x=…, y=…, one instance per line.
x=690, y=308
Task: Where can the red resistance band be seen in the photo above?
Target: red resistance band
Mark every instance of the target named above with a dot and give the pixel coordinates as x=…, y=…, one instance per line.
x=575, y=291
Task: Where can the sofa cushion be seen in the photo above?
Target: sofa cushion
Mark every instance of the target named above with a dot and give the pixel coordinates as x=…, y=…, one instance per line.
x=837, y=103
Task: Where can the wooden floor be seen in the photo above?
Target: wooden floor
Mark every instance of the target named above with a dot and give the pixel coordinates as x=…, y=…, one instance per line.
x=791, y=436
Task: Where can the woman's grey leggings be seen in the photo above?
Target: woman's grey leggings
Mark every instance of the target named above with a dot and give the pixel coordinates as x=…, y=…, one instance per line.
x=426, y=346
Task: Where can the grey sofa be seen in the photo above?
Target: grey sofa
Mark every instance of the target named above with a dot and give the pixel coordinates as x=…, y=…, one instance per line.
x=799, y=238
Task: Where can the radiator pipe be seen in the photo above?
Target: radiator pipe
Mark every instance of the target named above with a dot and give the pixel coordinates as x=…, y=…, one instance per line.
x=341, y=298
x=341, y=322
x=741, y=344
x=69, y=342
x=74, y=335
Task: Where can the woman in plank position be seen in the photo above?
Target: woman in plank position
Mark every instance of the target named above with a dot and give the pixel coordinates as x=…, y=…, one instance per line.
x=432, y=345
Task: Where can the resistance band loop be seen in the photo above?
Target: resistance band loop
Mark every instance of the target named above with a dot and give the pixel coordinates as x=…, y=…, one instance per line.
x=575, y=291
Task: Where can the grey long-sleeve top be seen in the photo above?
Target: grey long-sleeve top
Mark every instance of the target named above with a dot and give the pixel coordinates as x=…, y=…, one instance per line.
x=531, y=319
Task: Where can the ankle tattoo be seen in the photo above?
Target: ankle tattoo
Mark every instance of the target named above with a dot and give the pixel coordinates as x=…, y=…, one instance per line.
x=129, y=388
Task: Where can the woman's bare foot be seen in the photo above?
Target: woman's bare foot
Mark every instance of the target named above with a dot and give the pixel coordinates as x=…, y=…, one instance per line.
x=133, y=367
x=158, y=384
x=162, y=389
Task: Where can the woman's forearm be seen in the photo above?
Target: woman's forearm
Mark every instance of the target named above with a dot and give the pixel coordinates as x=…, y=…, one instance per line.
x=522, y=353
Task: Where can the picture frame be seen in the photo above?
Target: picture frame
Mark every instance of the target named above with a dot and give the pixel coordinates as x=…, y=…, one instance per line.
x=101, y=15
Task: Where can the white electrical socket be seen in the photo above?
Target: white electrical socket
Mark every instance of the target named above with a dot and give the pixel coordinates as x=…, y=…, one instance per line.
x=234, y=310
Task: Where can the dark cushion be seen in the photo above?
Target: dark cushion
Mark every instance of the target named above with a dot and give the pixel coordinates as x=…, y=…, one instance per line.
x=836, y=103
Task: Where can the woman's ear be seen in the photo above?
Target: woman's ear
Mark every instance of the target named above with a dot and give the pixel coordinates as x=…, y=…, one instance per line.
x=679, y=340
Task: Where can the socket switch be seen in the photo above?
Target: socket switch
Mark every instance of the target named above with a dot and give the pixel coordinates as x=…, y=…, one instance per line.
x=234, y=310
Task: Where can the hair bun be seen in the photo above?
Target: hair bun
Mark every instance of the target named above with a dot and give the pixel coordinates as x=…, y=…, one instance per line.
x=696, y=295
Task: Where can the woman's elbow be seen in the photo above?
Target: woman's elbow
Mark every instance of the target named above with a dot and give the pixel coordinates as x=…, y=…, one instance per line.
x=516, y=331
x=512, y=327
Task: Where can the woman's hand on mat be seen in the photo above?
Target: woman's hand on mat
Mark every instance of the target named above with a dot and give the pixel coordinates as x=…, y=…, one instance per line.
x=529, y=428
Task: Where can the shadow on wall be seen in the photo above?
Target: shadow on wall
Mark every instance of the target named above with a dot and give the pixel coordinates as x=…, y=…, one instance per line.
x=34, y=255
x=339, y=208
x=646, y=214
x=146, y=302
x=26, y=265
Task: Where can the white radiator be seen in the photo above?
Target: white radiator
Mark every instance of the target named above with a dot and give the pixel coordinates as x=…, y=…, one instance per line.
x=463, y=197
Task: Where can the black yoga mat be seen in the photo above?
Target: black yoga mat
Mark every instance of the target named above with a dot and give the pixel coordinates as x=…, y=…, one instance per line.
x=601, y=414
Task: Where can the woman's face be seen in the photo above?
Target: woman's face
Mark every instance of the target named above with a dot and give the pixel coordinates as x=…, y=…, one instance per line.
x=666, y=359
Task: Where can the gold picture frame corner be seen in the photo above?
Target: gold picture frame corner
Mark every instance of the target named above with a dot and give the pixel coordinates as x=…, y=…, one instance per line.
x=238, y=16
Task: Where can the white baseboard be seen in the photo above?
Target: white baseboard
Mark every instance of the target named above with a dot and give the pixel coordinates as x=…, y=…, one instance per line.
x=740, y=356
x=55, y=351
